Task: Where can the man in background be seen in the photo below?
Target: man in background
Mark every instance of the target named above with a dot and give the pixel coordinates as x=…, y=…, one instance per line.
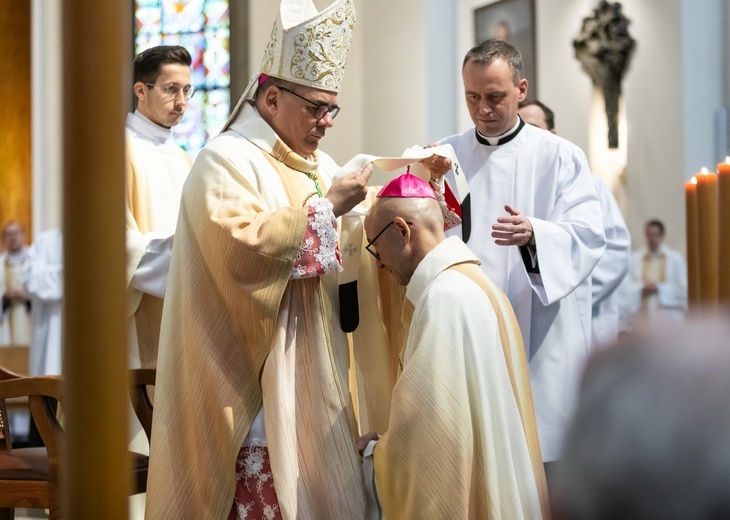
x=535, y=224
x=614, y=264
x=15, y=314
x=156, y=171
x=655, y=291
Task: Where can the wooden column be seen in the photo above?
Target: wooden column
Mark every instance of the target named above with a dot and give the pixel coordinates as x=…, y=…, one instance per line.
x=96, y=86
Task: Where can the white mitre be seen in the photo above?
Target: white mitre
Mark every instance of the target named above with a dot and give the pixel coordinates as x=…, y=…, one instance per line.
x=307, y=47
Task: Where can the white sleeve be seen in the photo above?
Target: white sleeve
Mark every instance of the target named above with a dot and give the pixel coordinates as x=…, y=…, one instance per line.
x=571, y=240
x=375, y=512
x=151, y=273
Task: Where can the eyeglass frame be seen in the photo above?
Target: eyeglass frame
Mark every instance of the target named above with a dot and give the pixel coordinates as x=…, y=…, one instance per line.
x=190, y=89
x=370, y=243
x=332, y=110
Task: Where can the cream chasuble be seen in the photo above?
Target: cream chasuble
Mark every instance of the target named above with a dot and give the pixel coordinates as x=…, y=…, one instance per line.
x=239, y=333
x=462, y=440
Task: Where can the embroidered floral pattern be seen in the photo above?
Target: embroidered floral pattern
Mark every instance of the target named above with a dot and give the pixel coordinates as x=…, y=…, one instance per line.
x=255, y=497
x=319, y=253
x=312, y=52
x=320, y=51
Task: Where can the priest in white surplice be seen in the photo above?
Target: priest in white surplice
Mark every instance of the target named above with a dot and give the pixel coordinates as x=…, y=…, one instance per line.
x=462, y=438
x=655, y=290
x=534, y=221
x=15, y=312
x=156, y=171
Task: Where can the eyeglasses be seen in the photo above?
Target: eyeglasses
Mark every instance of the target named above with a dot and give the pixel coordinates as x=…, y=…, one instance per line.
x=320, y=109
x=369, y=245
x=173, y=89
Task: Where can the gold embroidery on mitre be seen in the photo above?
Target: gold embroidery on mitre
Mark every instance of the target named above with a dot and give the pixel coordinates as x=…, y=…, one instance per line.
x=312, y=53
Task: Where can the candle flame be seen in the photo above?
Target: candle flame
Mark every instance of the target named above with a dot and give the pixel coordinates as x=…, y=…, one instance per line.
x=704, y=171
x=727, y=159
x=693, y=180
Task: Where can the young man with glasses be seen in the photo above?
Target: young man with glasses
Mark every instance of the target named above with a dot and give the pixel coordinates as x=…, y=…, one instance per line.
x=156, y=170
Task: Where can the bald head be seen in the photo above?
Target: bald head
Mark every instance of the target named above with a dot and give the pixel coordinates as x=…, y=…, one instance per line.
x=402, y=231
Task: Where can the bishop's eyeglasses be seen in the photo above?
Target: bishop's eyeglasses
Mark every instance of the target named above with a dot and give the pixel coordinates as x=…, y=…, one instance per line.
x=172, y=90
x=320, y=109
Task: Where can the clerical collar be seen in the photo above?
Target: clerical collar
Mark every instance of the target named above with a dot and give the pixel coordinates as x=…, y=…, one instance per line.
x=147, y=129
x=501, y=139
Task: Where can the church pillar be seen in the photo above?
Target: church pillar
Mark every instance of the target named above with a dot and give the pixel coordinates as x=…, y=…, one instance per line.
x=96, y=40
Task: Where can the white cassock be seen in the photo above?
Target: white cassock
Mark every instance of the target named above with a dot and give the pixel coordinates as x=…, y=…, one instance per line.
x=666, y=268
x=547, y=179
x=610, y=270
x=14, y=318
x=43, y=280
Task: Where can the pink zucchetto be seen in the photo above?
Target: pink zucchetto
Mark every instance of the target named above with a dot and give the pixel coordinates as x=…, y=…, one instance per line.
x=408, y=186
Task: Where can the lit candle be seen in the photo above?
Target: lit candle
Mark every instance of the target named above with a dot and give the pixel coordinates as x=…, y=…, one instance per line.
x=723, y=173
x=708, y=234
x=693, y=247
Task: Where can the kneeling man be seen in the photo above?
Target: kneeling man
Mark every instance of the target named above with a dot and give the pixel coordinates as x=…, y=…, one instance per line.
x=462, y=438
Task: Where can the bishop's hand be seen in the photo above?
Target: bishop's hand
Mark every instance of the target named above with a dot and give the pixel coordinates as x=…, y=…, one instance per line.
x=436, y=164
x=349, y=190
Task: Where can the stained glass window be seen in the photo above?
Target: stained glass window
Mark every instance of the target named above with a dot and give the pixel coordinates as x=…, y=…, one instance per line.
x=202, y=27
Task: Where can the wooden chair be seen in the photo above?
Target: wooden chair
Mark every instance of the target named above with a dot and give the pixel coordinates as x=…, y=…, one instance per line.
x=29, y=477
x=140, y=392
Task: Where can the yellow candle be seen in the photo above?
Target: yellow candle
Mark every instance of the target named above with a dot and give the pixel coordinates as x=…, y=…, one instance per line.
x=693, y=276
x=707, y=221
x=723, y=174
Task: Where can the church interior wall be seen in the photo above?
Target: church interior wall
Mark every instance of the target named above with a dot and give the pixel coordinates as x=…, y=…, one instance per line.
x=403, y=86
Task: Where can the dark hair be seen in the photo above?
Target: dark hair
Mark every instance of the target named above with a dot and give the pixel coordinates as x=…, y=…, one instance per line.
x=489, y=51
x=655, y=222
x=549, y=114
x=148, y=64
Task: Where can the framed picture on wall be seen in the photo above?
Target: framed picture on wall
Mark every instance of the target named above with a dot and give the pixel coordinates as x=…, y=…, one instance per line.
x=512, y=21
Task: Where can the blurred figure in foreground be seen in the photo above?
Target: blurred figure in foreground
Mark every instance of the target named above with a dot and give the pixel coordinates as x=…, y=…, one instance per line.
x=650, y=436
